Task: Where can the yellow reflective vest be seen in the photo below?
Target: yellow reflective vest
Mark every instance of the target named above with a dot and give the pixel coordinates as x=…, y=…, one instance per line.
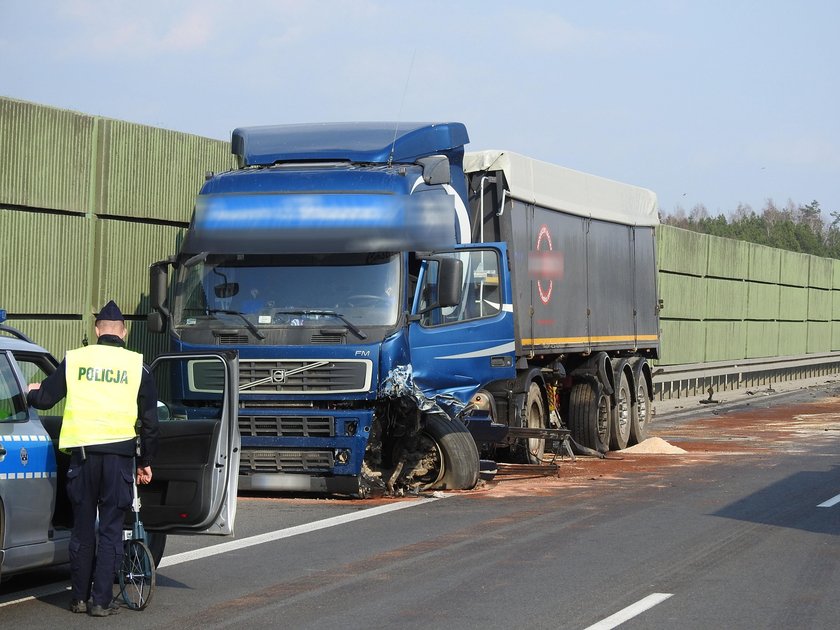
x=102, y=385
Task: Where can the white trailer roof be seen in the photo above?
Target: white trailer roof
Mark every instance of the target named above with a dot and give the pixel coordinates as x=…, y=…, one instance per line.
x=567, y=190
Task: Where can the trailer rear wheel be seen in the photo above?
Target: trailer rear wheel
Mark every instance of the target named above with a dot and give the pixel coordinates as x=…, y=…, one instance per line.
x=641, y=412
x=589, y=414
x=534, y=418
x=621, y=416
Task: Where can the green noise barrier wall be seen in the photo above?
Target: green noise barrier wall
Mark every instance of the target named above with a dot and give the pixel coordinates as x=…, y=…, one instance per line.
x=88, y=203
x=727, y=300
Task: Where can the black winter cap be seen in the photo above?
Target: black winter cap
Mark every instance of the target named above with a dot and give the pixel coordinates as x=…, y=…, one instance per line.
x=110, y=312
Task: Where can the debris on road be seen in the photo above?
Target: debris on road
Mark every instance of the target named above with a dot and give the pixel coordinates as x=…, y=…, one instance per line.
x=655, y=446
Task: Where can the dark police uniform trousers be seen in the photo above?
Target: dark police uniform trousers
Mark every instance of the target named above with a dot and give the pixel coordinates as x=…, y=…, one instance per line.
x=98, y=483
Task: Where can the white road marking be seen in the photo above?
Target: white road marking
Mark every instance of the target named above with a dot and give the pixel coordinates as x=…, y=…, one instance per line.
x=168, y=561
x=259, y=539
x=631, y=611
x=35, y=593
x=831, y=502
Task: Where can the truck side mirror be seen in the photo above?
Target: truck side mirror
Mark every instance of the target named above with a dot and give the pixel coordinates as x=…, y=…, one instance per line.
x=450, y=275
x=158, y=276
x=154, y=322
x=158, y=281
x=435, y=169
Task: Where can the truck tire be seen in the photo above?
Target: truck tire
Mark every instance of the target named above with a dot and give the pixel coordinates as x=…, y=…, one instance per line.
x=641, y=411
x=533, y=417
x=459, y=454
x=589, y=416
x=620, y=417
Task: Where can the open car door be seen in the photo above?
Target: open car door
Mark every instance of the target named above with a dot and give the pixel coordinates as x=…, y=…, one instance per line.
x=196, y=471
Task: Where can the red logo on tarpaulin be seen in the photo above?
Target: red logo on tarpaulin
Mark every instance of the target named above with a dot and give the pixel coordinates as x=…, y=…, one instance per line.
x=544, y=264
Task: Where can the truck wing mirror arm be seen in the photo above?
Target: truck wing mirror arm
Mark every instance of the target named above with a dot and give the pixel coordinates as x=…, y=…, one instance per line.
x=435, y=169
x=158, y=277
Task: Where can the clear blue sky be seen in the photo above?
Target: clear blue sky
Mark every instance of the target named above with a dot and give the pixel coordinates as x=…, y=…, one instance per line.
x=705, y=102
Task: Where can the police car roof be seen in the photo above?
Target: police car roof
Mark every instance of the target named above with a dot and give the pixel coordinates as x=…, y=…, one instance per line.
x=10, y=343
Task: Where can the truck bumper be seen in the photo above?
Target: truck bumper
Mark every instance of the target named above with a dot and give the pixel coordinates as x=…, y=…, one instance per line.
x=301, y=444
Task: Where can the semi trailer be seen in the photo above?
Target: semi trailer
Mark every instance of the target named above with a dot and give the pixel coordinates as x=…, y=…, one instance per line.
x=403, y=309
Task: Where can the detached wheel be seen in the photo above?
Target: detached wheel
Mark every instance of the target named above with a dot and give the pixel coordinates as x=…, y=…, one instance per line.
x=441, y=456
x=621, y=416
x=455, y=451
x=533, y=417
x=641, y=412
x=589, y=414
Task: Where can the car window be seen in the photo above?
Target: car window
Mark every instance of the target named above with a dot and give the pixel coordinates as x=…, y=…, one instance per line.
x=36, y=368
x=12, y=400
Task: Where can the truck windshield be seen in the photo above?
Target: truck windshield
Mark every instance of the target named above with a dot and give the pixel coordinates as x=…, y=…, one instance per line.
x=353, y=290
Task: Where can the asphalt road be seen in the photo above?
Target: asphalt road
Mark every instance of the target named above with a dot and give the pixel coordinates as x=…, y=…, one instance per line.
x=741, y=531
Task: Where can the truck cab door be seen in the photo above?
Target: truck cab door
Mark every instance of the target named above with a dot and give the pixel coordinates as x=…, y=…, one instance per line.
x=196, y=471
x=457, y=350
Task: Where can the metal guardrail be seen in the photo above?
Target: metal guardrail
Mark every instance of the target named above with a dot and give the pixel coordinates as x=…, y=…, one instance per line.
x=691, y=380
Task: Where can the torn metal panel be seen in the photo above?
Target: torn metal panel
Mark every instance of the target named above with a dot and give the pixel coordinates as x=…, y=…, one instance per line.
x=400, y=383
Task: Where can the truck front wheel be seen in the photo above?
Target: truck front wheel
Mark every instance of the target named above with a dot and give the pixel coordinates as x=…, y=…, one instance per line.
x=459, y=465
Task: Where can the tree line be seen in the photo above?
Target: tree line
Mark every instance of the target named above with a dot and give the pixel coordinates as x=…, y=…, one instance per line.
x=796, y=228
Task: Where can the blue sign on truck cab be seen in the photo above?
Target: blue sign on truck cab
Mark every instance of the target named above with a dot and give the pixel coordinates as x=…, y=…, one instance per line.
x=367, y=281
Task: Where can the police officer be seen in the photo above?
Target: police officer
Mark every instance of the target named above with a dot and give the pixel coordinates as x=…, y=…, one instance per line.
x=107, y=388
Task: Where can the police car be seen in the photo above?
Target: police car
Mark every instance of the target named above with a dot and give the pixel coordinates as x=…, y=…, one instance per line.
x=194, y=485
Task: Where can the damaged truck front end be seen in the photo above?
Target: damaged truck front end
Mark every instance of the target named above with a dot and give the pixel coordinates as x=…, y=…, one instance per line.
x=330, y=399
x=337, y=275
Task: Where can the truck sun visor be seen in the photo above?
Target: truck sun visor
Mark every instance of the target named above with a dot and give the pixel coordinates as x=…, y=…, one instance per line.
x=312, y=223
